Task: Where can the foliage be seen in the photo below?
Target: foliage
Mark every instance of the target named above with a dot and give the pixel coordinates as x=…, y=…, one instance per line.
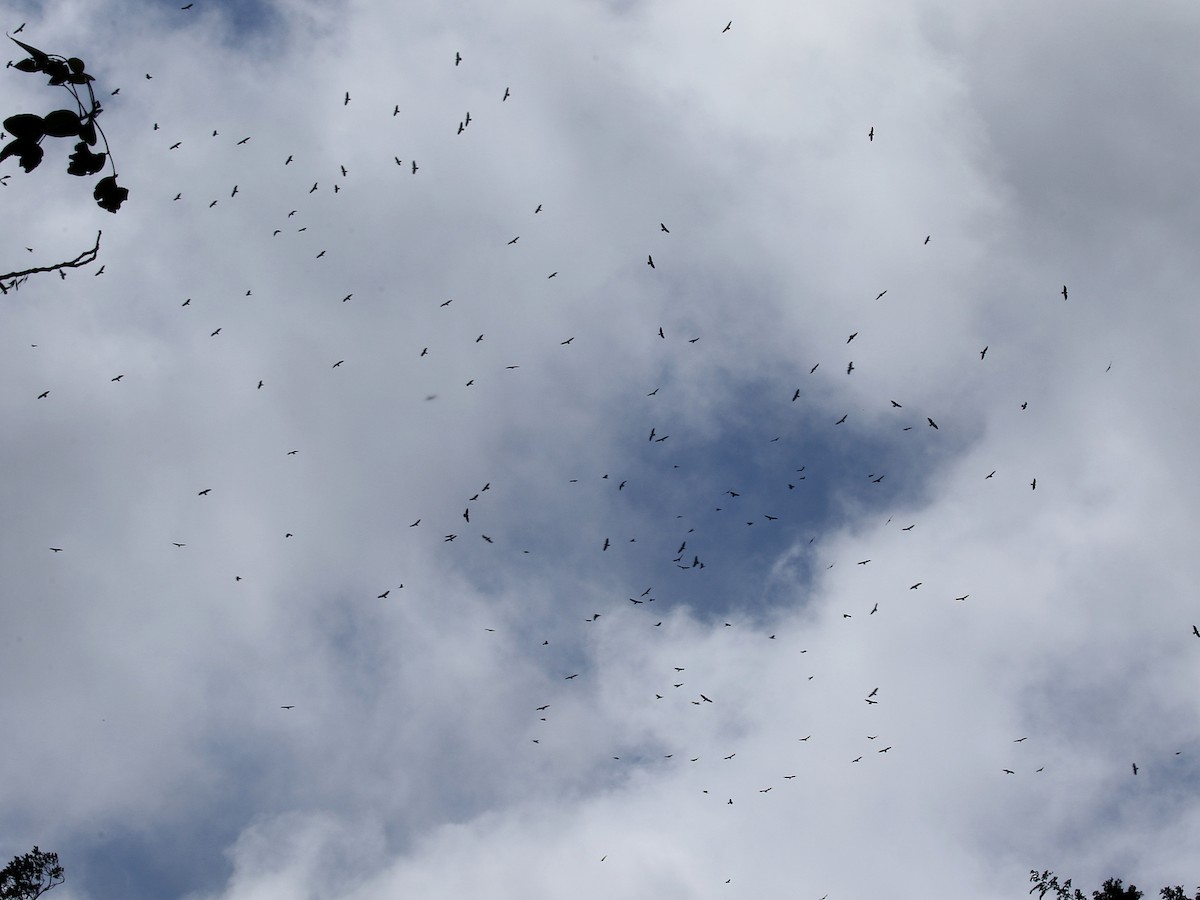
x=1112, y=889
x=28, y=130
x=30, y=876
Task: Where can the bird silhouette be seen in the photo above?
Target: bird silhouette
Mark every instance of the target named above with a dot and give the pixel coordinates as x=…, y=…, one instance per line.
x=871, y=134
x=723, y=30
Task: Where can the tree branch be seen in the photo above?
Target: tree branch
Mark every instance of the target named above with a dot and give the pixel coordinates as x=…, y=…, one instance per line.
x=14, y=278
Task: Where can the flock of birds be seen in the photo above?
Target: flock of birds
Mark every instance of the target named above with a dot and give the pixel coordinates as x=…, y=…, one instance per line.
x=695, y=546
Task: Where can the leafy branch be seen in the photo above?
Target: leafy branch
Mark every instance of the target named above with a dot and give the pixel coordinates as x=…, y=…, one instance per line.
x=29, y=876
x=28, y=130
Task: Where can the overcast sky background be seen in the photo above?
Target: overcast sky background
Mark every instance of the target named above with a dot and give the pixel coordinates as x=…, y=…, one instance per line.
x=1035, y=145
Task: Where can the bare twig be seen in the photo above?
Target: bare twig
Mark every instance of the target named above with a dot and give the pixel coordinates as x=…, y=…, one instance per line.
x=14, y=278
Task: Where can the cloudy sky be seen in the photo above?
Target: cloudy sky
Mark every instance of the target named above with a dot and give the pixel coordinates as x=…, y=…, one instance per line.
x=583, y=577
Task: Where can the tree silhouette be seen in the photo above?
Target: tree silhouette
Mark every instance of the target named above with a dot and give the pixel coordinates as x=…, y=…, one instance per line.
x=81, y=124
x=1112, y=889
x=30, y=876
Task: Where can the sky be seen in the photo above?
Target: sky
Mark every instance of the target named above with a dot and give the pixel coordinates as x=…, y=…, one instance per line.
x=417, y=537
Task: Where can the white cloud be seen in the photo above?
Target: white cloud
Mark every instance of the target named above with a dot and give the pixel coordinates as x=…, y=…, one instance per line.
x=148, y=678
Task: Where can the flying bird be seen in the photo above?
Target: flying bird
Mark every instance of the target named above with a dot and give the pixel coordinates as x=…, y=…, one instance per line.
x=346, y=102
x=932, y=424
x=850, y=368
x=1033, y=485
x=43, y=395
x=727, y=27
x=664, y=227
x=1134, y=768
x=983, y=352
x=650, y=261
x=1064, y=292
x=457, y=58
x=215, y=333
x=505, y=97
x=287, y=707
x=880, y=294
x=871, y=134
x=841, y=420
x=204, y=492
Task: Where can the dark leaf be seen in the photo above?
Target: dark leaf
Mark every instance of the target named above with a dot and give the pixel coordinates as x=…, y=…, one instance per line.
x=84, y=161
x=87, y=131
x=27, y=65
x=58, y=72
x=80, y=78
x=61, y=123
x=27, y=152
x=37, y=54
x=108, y=195
x=76, y=64
x=25, y=125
